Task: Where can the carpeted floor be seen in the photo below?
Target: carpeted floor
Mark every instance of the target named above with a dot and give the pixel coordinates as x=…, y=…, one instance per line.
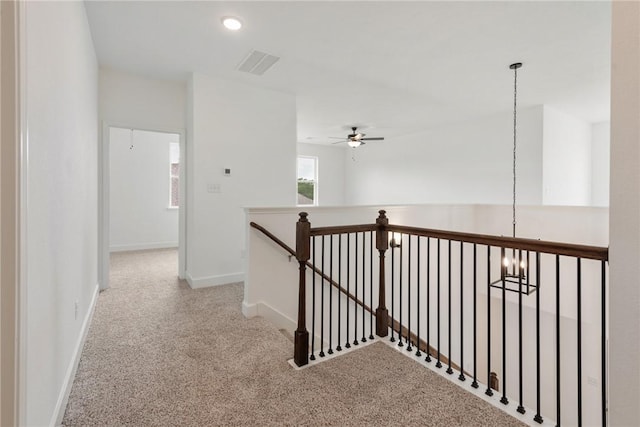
x=161, y=354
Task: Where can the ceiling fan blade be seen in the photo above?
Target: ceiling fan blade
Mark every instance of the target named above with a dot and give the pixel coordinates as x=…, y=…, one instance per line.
x=335, y=137
x=372, y=139
x=339, y=142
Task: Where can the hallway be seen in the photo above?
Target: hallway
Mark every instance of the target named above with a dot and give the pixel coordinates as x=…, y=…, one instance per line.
x=160, y=353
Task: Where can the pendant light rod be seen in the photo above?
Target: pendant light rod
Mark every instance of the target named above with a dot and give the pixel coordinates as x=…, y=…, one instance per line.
x=514, y=67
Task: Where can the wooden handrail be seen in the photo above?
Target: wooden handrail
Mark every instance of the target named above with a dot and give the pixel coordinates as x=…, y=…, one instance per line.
x=555, y=248
x=391, y=321
x=341, y=229
x=309, y=264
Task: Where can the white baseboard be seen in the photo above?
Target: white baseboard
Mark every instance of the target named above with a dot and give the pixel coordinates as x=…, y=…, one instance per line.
x=204, y=282
x=65, y=391
x=280, y=320
x=142, y=246
x=249, y=310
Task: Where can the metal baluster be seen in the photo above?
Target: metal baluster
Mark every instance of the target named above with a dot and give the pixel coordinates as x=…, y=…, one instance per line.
x=461, y=377
x=504, y=399
x=438, y=363
x=393, y=305
x=348, y=344
x=418, y=297
x=538, y=417
x=409, y=348
x=449, y=370
x=489, y=392
x=321, y=354
x=313, y=300
x=363, y=339
x=330, y=351
x=603, y=343
x=355, y=286
x=558, y=340
x=338, y=347
x=400, y=343
x=371, y=285
x=520, y=273
x=428, y=357
x=474, y=384
x=579, y=332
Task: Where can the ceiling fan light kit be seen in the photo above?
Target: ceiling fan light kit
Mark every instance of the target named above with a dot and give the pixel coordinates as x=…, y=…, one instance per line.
x=356, y=139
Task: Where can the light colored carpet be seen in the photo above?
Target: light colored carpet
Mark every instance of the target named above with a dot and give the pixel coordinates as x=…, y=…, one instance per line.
x=161, y=354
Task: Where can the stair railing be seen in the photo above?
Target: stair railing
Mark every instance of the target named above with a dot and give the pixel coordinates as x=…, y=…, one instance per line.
x=421, y=277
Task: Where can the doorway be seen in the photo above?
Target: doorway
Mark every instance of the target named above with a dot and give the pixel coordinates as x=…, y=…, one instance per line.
x=143, y=193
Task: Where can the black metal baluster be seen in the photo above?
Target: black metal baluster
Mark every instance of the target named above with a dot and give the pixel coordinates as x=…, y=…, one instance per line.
x=348, y=344
x=313, y=300
x=461, y=377
x=438, y=363
x=538, y=417
x=400, y=343
x=338, y=347
x=579, y=332
x=418, y=297
x=393, y=305
x=520, y=273
x=409, y=348
x=474, y=384
x=428, y=357
x=355, y=287
x=449, y=370
x=371, y=285
x=558, y=340
x=364, y=300
x=330, y=351
x=504, y=399
x=489, y=392
x=603, y=343
x=321, y=354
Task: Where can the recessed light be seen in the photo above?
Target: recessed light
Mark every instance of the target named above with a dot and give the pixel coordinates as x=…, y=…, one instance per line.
x=231, y=23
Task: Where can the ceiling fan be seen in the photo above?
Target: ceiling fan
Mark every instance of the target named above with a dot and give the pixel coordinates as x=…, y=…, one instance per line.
x=356, y=139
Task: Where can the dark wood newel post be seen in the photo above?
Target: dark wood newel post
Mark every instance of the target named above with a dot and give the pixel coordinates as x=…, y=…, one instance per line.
x=303, y=253
x=382, y=244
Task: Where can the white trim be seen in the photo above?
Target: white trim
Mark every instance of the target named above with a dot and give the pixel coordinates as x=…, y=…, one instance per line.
x=204, y=282
x=65, y=391
x=249, y=310
x=143, y=246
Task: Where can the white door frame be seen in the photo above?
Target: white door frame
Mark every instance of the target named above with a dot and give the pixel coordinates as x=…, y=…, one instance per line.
x=104, y=199
x=13, y=199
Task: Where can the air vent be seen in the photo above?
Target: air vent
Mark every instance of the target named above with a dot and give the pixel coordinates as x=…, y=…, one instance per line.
x=257, y=62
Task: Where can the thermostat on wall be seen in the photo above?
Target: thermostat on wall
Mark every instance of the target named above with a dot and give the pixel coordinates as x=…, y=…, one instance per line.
x=227, y=172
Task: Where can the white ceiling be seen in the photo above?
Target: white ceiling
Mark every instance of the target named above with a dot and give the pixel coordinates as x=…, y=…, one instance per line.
x=396, y=67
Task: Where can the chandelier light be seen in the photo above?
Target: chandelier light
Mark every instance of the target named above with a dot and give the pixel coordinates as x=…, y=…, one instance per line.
x=514, y=268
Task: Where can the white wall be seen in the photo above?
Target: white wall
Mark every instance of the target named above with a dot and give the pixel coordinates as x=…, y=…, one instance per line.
x=61, y=219
x=331, y=183
x=566, y=159
x=129, y=99
x=600, y=155
x=468, y=162
x=252, y=131
x=140, y=217
x=624, y=335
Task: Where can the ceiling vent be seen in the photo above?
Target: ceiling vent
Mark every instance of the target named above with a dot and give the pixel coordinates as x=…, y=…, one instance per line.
x=257, y=62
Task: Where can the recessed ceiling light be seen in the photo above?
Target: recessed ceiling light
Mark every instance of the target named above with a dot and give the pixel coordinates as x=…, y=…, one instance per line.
x=231, y=23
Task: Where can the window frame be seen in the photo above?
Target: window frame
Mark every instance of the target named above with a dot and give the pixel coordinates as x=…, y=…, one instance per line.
x=316, y=163
x=172, y=176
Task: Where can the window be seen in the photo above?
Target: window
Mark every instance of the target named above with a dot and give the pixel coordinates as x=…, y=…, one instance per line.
x=307, y=181
x=174, y=174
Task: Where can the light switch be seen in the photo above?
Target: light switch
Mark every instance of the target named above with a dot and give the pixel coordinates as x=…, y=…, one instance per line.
x=214, y=188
